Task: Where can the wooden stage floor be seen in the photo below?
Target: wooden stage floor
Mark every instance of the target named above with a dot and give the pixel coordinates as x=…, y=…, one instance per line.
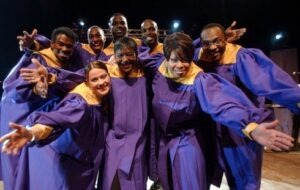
x=281, y=171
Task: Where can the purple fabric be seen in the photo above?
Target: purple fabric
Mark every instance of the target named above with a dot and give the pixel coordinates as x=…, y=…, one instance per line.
x=258, y=77
x=73, y=159
x=18, y=101
x=126, y=140
x=82, y=56
x=180, y=111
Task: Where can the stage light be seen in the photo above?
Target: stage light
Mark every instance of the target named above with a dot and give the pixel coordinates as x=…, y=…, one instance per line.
x=81, y=23
x=176, y=25
x=278, y=36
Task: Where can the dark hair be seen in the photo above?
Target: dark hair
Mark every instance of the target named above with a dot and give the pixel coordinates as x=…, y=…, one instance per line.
x=114, y=15
x=179, y=42
x=212, y=25
x=93, y=65
x=63, y=30
x=125, y=42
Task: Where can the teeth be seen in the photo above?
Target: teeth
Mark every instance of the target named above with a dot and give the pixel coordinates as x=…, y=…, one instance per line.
x=148, y=38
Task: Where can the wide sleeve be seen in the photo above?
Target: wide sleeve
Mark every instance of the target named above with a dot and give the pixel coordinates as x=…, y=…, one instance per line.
x=67, y=114
x=71, y=112
x=65, y=80
x=226, y=103
x=150, y=62
x=15, y=86
x=264, y=78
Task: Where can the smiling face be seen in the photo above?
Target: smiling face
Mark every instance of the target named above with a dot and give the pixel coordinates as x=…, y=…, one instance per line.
x=118, y=26
x=96, y=38
x=98, y=81
x=62, y=47
x=149, y=32
x=126, y=58
x=177, y=66
x=213, y=43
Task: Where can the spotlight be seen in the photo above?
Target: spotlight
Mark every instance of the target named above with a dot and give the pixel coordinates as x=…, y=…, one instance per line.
x=278, y=36
x=176, y=25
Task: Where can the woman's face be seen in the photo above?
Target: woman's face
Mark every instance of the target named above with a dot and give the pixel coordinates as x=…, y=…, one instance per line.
x=99, y=82
x=126, y=58
x=177, y=67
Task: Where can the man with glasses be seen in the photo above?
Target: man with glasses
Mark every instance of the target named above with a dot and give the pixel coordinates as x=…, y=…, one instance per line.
x=259, y=77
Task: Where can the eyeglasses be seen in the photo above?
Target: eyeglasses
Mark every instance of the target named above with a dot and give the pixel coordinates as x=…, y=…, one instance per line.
x=216, y=42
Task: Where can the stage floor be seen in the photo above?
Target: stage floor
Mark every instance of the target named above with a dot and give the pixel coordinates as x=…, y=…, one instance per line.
x=281, y=171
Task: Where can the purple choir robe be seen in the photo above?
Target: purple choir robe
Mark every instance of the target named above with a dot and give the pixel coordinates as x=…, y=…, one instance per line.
x=181, y=109
x=82, y=55
x=72, y=160
x=109, y=49
x=18, y=101
x=125, y=142
x=258, y=77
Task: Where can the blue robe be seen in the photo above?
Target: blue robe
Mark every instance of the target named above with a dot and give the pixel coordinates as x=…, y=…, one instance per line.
x=72, y=160
x=18, y=101
x=181, y=109
x=125, y=151
x=258, y=77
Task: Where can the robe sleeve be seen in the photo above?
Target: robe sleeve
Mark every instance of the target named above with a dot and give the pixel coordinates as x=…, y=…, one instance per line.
x=150, y=62
x=226, y=103
x=71, y=112
x=15, y=86
x=264, y=78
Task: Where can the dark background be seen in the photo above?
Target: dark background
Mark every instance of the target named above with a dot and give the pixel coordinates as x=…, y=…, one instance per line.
x=263, y=18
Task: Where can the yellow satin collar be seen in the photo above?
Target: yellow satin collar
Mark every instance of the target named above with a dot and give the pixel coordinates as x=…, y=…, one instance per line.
x=229, y=56
x=87, y=94
x=50, y=58
x=157, y=49
x=88, y=48
x=114, y=71
x=109, y=50
x=188, y=79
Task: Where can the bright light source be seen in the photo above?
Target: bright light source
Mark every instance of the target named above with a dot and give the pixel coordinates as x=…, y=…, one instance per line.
x=81, y=23
x=278, y=36
x=176, y=25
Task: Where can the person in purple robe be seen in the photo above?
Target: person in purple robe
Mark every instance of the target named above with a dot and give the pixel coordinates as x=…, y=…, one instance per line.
x=83, y=53
x=184, y=100
x=259, y=78
x=125, y=158
x=39, y=78
x=72, y=133
x=118, y=26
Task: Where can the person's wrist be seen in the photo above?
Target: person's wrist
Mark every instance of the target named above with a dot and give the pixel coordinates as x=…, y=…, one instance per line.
x=31, y=137
x=248, y=130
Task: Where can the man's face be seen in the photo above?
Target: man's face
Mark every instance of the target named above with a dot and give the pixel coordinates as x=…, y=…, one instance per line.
x=213, y=43
x=177, y=67
x=118, y=26
x=96, y=39
x=126, y=58
x=149, y=33
x=62, y=47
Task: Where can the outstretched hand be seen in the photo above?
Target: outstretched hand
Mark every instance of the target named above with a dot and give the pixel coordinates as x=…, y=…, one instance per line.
x=37, y=76
x=27, y=39
x=232, y=34
x=15, y=140
x=266, y=135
